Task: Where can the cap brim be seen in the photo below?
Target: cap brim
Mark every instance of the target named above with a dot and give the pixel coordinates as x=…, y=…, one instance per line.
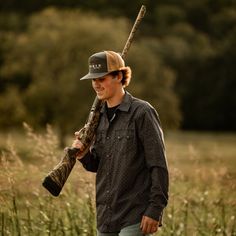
x=94, y=75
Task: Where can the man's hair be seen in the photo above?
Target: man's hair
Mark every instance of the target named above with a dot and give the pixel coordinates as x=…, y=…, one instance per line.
x=126, y=73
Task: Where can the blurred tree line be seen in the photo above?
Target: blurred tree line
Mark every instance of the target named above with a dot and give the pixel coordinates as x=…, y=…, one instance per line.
x=183, y=59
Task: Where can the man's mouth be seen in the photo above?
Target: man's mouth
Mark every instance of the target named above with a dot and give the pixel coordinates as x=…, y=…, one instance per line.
x=98, y=90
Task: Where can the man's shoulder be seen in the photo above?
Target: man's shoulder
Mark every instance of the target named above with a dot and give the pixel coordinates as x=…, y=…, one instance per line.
x=141, y=104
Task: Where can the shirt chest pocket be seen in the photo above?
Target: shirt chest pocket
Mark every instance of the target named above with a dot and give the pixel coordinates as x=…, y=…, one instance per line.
x=124, y=140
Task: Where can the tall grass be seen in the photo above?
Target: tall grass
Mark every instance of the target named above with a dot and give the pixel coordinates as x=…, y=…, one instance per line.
x=202, y=185
x=27, y=208
x=202, y=188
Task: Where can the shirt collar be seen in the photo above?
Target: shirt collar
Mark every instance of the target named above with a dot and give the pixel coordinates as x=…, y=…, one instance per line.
x=125, y=104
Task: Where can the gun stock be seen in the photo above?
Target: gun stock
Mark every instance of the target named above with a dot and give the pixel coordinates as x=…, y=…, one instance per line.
x=56, y=179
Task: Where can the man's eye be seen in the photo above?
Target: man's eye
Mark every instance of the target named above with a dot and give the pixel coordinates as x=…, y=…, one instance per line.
x=99, y=80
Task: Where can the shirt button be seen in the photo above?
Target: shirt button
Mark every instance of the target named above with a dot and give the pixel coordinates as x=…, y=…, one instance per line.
x=118, y=137
x=108, y=137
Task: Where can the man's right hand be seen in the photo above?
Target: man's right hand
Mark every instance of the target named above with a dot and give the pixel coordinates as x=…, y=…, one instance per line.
x=78, y=144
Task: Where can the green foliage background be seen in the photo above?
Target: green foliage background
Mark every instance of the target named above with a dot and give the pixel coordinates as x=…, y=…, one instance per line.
x=183, y=60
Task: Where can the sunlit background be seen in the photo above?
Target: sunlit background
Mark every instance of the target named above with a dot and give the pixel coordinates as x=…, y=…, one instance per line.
x=183, y=62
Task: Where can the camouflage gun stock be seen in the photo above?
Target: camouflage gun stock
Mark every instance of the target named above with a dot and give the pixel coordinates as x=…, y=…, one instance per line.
x=56, y=179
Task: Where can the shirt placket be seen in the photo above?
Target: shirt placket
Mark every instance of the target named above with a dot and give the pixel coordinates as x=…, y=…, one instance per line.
x=108, y=197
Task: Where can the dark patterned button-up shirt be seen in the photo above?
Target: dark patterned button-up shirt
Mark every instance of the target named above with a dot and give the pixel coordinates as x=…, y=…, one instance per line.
x=128, y=155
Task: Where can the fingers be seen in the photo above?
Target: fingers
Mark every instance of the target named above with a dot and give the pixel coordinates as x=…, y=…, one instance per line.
x=148, y=225
x=80, y=146
x=78, y=134
x=77, y=144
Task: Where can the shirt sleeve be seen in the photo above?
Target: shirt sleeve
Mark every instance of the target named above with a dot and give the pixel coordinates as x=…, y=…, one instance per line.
x=151, y=136
x=159, y=193
x=90, y=161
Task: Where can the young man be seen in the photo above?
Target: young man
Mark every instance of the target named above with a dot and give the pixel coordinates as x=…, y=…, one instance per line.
x=128, y=154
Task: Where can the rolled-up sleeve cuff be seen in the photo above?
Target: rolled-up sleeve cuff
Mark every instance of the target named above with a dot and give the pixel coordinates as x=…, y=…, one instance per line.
x=89, y=162
x=154, y=213
x=85, y=158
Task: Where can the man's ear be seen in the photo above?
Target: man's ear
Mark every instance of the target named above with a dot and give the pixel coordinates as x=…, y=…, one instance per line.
x=119, y=76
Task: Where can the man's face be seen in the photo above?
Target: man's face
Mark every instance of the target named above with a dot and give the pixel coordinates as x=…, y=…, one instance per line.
x=106, y=87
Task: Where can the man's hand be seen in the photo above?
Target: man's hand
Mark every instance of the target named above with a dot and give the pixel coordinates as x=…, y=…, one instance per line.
x=149, y=225
x=78, y=144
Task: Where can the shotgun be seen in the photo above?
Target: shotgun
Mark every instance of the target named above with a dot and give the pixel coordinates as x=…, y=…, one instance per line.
x=55, y=180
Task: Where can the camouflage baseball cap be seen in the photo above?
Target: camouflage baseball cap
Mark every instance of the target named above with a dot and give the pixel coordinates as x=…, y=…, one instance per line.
x=102, y=63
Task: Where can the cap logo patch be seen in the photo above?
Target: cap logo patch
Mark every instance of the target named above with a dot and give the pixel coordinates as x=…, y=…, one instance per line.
x=95, y=66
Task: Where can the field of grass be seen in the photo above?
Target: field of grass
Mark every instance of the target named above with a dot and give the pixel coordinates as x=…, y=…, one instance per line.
x=202, y=187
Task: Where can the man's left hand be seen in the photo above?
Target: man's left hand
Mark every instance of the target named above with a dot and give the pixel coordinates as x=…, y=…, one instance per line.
x=149, y=225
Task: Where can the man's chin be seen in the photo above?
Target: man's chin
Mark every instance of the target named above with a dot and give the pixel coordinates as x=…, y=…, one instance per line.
x=100, y=97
